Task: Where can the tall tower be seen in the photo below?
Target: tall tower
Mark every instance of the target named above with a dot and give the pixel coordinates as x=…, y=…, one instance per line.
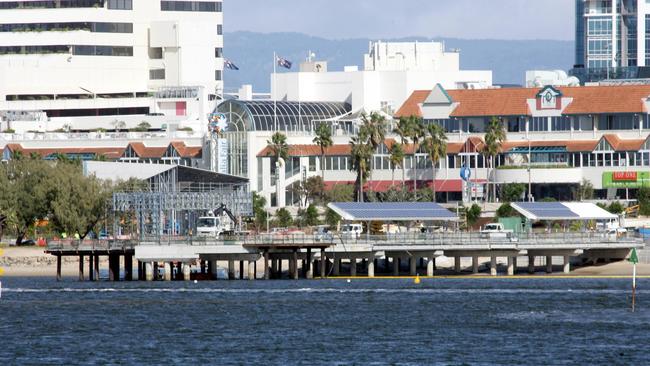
x=611, y=33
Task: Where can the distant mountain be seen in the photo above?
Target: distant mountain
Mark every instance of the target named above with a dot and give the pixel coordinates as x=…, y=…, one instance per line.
x=509, y=60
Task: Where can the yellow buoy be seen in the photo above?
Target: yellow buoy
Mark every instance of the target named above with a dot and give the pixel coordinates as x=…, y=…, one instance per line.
x=2, y=271
x=417, y=280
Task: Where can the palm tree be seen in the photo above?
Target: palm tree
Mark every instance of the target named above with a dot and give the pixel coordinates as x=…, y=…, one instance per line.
x=495, y=135
x=324, y=140
x=278, y=146
x=417, y=132
x=396, y=159
x=279, y=149
x=361, y=154
x=375, y=126
x=436, y=147
x=403, y=130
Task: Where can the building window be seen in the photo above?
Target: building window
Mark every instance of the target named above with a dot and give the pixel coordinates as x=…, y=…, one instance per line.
x=120, y=4
x=102, y=51
x=31, y=50
x=219, y=29
x=52, y=4
x=201, y=6
x=97, y=27
x=217, y=75
x=157, y=74
x=218, y=52
x=312, y=163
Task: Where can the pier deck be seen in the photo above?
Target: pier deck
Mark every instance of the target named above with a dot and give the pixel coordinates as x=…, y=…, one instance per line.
x=178, y=254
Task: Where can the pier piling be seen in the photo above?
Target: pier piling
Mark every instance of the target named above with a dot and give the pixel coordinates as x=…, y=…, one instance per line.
x=549, y=264
x=91, y=270
x=567, y=264
x=81, y=268
x=430, y=262
x=413, y=266
x=128, y=267
x=475, y=264
x=511, y=266
x=266, y=264
x=531, y=264
x=493, y=266
x=58, y=267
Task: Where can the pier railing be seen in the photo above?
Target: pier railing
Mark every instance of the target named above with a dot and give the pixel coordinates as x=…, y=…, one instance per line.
x=91, y=245
x=402, y=239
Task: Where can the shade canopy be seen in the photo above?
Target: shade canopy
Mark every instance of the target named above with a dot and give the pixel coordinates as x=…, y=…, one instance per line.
x=562, y=211
x=393, y=211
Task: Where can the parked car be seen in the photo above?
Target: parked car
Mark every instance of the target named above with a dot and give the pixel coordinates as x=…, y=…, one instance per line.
x=351, y=230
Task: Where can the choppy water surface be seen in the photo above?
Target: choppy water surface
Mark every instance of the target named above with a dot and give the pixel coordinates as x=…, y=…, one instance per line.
x=442, y=321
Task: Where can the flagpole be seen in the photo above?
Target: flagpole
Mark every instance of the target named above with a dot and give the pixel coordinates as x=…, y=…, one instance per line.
x=275, y=99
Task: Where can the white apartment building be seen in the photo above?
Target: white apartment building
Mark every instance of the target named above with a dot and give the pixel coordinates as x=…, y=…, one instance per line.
x=89, y=64
x=391, y=72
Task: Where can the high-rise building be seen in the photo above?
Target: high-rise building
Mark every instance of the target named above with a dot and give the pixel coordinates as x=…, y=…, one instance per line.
x=67, y=60
x=611, y=39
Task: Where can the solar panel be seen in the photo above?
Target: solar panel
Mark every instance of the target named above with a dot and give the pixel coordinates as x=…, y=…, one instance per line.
x=397, y=211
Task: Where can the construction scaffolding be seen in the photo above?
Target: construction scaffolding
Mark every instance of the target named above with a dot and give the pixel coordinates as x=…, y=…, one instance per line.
x=170, y=202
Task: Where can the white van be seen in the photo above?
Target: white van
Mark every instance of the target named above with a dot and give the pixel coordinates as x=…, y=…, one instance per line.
x=351, y=230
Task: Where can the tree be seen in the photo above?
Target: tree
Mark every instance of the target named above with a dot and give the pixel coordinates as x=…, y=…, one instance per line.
x=506, y=210
x=495, y=135
x=644, y=201
x=310, y=216
x=616, y=208
x=118, y=125
x=323, y=140
x=283, y=217
x=80, y=203
x=143, y=126
x=472, y=214
x=396, y=160
x=314, y=187
x=332, y=218
x=397, y=194
x=375, y=128
x=585, y=191
x=278, y=146
x=26, y=193
x=512, y=192
x=417, y=132
x=436, y=147
x=259, y=211
x=361, y=154
x=340, y=193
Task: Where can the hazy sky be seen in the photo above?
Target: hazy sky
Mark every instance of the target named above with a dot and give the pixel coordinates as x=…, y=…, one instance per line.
x=476, y=19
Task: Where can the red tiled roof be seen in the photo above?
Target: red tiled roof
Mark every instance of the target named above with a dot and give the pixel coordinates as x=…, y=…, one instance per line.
x=513, y=101
x=606, y=99
x=187, y=151
x=411, y=106
x=492, y=102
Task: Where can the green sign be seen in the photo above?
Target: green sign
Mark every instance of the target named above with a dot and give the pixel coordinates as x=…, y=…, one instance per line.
x=633, y=257
x=626, y=179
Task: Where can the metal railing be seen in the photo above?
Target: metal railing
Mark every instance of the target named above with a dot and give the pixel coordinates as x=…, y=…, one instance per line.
x=442, y=239
x=90, y=245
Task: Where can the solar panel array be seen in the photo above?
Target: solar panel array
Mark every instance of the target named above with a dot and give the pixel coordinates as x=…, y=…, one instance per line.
x=374, y=211
x=551, y=210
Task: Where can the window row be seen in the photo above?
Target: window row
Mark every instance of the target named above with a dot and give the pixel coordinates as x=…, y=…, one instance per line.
x=120, y=4
x=157, y=74
x=102, y=51
x=52, y=4
x=204, y=6
x=71, y=26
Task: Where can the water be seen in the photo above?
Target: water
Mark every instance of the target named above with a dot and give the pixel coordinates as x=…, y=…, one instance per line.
x=332, y=322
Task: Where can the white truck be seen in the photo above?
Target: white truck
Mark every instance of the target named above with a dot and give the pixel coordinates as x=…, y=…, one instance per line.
x=219, y=222
x=496, y=231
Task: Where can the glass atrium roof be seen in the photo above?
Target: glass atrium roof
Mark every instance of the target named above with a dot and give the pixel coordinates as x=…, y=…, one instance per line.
x=267, y=115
